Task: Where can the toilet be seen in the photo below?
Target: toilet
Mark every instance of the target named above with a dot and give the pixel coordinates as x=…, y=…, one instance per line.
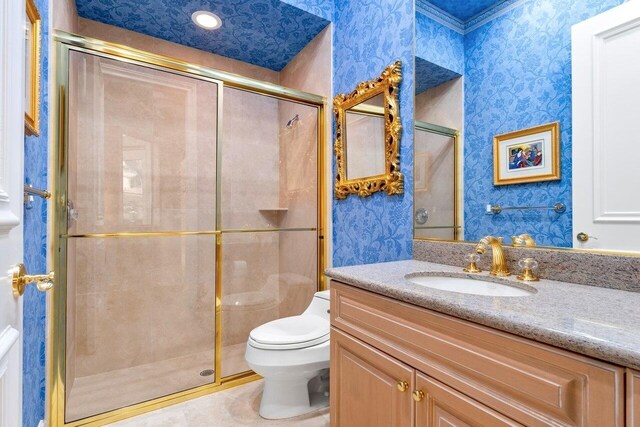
x=292, y=354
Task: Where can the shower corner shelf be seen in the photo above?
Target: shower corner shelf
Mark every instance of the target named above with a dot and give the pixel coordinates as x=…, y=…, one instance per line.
x=274, y=215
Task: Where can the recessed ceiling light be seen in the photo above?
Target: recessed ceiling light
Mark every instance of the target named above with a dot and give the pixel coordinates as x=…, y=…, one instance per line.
x=206, y=20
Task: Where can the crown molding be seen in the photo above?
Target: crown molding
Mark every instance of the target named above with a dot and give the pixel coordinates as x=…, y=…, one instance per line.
x=473, y=23
x=492, y=13
x=440, y=16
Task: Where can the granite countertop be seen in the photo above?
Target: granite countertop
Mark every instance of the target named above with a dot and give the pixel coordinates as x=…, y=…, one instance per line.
x=597, y=322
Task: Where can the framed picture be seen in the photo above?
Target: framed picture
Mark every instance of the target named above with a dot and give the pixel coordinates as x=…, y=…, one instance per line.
x=528, y=155
x=32, y=69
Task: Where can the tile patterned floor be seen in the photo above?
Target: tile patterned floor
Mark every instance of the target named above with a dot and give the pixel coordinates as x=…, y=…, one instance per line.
x=234, y=407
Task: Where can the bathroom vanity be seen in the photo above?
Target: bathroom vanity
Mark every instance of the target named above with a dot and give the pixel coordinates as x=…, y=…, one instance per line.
x=407, y=355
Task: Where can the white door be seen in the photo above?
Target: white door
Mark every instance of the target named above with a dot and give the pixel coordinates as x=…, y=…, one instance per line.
x=606, y=130
x=12, y=25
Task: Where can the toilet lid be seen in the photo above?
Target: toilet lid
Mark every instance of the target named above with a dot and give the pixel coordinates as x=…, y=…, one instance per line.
x=291, y=332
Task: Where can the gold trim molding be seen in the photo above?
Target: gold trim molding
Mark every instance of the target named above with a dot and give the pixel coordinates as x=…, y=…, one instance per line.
x=32, y=109
x=392, y=181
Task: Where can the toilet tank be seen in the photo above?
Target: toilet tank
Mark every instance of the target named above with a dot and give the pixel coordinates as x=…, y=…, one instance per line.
x=319, y=305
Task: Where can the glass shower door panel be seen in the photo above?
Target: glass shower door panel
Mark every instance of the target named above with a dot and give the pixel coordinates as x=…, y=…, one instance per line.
x=269, y=162
x=267, y=275
x=435, y=185
x=141, y=306
x=140, y=320
x=142, y=148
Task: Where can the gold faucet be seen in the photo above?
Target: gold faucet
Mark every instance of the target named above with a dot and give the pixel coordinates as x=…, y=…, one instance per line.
x=523, y=240
x=499, y=263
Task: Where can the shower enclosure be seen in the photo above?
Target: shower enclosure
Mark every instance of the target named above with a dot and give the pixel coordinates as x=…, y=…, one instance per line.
x=435, y=206
x=188, y=211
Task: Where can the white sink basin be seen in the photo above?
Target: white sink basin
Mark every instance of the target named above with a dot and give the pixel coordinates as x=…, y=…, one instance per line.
x=465, y=285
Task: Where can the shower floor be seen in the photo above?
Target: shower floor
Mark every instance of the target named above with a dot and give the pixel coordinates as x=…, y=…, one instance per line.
x=95, y=394
x=233, y=361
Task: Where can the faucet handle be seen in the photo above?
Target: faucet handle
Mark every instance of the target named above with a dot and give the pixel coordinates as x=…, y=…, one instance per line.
x=472, y=266
x=528, y=265
x=523, y=240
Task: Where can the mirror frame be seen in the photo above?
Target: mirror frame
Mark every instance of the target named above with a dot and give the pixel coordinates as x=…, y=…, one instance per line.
x=32, y=110
x=392, y=181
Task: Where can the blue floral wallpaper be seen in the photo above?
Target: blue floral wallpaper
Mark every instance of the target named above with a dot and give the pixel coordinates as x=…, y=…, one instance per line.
x=517, y=75
x=439, y=53
x=368, y=36
x=430, y=75
x=268, y=33
x=439, y=45
x=35, y=249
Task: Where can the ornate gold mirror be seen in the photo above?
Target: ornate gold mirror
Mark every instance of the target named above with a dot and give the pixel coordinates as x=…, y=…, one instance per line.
x=367, y=142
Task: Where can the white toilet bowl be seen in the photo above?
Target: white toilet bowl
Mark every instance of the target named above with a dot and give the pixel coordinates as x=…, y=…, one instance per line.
x=292, y=354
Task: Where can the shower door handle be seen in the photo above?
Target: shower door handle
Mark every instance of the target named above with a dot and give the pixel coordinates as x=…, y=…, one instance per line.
x=72, y=213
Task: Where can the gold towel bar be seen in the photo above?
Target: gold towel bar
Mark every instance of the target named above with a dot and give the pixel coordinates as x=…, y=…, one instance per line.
x=496, y=209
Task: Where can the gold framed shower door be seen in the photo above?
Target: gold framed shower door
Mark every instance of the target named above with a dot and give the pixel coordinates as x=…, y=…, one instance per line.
x=64, y=44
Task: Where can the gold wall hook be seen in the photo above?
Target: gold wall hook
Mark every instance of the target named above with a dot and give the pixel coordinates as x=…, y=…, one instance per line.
x=20, y=279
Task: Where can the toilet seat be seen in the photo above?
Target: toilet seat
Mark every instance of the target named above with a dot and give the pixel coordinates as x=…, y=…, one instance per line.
x=290, y=333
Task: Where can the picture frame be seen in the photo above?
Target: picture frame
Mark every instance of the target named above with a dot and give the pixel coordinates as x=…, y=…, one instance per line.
x=527, y=155
x=32, y=69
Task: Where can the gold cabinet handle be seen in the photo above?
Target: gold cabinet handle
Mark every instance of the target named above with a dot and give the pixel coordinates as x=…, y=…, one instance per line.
x=20, y=279
x=402, y=385
x=584, y=237
x=418, y=395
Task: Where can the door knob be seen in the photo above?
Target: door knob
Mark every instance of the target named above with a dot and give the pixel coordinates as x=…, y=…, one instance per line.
x=20, y=279
x=402, y=385
x=418, y=395
x=584, y=237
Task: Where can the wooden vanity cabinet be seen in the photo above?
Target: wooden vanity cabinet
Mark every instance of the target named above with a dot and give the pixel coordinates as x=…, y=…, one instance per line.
x=469, y=375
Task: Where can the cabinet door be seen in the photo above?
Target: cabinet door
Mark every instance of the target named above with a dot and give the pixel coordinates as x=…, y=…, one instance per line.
x=438, y=405
x=633, y=398
x=368, y=387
